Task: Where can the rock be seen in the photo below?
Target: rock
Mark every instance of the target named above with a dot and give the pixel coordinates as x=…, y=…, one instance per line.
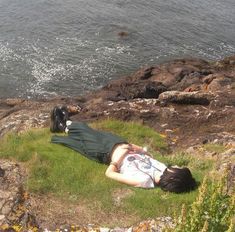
x=230, y=152
x=118, y=229
x=14, y=101
x=13, y=204
x=208, y=79
x=226, y=164
x=123, y=33
x=224, y=138
x=137, y=89
x=192, y=98
x=5, y=194
x=6, y=209
x=191, y=150
x=164, y=125
x=2, y=172
x=1, y=218
x=2, y=202
x=103, y=229
x=159, y=224
x=164, y=85
x=220, y=83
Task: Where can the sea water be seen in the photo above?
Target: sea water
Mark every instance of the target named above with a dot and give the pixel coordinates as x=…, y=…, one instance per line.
x=57, y=47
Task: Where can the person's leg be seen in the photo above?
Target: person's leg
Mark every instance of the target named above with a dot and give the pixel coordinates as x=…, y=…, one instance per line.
x=76, y=129
x=92, y=140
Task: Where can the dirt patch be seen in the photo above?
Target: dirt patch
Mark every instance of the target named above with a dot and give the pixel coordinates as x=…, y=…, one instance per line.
x=53, y=213
x=120, y=194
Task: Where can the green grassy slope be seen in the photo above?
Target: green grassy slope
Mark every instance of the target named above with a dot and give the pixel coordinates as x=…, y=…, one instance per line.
x=56, y=169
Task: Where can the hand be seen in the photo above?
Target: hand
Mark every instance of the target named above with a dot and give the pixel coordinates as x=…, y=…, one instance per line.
x=119, y=153
x=134, y=148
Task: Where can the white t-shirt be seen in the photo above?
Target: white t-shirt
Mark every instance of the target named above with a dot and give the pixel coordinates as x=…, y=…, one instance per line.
x=143, y=168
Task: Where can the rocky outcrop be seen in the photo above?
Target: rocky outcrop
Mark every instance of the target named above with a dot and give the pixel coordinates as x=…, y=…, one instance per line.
x=185, y=99
x=14, y=204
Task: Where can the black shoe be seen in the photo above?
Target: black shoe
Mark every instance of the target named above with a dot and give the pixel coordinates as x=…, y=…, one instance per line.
x=59, y=116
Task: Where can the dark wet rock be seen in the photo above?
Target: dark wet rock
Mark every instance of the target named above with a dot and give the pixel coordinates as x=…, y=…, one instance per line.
x=133, y=90
x=123, y=33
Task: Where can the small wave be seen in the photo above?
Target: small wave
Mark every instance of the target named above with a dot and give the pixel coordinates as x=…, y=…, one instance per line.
x=196, y=50
x=36, y=90
x=74, y=65
x=118, y=49
x=8, y=54
x=49, y=71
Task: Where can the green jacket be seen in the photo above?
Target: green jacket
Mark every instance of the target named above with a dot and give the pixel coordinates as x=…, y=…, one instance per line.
x=94, y=144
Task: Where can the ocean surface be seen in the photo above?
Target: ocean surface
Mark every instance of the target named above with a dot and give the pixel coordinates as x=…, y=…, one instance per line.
x=58, y=47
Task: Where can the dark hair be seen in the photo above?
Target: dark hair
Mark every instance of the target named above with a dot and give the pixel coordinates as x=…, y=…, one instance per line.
x=177, y=180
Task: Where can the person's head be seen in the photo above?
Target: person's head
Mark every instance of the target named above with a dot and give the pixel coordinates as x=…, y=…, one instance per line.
x=175, y=179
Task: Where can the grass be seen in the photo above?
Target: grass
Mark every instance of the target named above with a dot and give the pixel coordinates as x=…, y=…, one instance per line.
x=59, y=170
x=218, y=148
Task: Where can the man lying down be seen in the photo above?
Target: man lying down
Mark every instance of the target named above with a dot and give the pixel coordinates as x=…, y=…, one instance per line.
x=127, y=163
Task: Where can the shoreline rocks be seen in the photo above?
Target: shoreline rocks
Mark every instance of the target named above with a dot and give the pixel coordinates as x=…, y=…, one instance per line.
x=193, y=96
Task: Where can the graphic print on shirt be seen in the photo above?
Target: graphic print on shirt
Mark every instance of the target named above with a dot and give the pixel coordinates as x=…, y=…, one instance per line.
x=142, y=167
x=145, y=161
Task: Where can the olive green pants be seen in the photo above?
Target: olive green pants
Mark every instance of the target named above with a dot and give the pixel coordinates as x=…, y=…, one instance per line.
x=94, y=144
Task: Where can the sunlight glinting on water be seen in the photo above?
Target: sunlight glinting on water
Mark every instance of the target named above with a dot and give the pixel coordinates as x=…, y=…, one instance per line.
x=75, y=46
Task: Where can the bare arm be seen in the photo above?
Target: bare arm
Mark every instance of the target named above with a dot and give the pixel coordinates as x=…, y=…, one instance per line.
x=112, y=170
